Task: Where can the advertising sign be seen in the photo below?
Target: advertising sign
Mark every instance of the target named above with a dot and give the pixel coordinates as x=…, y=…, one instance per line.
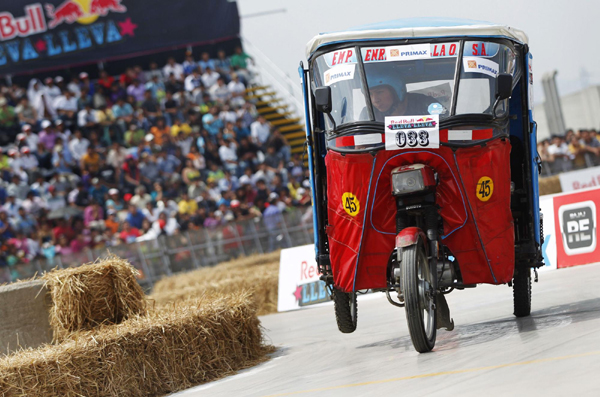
x=582, y=179
x=576, y=228
x=299, y=283
x=35, y=36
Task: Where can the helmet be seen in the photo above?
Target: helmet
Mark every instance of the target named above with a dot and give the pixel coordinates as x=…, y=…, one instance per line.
x=397, y=84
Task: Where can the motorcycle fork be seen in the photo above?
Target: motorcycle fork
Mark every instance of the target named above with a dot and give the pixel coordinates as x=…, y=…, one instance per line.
x=431, y=227
x=427, y=219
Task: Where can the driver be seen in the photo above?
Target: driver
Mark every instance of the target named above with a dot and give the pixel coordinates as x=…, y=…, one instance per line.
x=388, y=101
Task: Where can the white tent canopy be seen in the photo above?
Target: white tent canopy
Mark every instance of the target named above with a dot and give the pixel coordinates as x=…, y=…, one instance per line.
x=417, y=28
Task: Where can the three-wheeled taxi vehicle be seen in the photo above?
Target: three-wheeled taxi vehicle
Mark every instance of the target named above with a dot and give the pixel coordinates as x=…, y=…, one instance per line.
x=422, y=153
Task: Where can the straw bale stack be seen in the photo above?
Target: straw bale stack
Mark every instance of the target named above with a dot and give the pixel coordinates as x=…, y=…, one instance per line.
x=161, y=352
x=258, y=274
x=262, y=282
x=550, y=185
x=105, y=292
x=222, y=271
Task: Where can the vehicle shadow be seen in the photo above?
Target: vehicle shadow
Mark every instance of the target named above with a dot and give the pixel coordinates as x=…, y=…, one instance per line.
x=474, y=334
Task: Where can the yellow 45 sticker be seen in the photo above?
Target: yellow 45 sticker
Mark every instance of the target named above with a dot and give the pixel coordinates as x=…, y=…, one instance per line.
x=485, y=188
x=350, y=203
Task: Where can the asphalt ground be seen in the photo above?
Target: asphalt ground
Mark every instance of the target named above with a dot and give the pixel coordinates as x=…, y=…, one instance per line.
x=554, y=352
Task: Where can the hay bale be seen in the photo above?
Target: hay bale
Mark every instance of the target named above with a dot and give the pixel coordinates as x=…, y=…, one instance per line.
x=165, y=351
x=261, y=281
x=220, y=272
x=550, y=185
x=24, y=319
x=105, y=292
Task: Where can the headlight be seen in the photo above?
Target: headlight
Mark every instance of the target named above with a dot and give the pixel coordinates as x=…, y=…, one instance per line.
x=412, y=178
x=407, y=182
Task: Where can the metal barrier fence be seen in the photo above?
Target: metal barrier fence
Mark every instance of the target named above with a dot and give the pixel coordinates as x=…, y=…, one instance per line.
x=190, y=250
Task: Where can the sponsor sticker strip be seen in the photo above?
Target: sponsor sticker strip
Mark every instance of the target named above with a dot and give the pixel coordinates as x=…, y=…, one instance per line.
x=480, y=65
x=340, y=57
x=475, y=50
x=339, y=73
x=444, y=136
x=465, y=135
x=409, y=52
x=356, y=140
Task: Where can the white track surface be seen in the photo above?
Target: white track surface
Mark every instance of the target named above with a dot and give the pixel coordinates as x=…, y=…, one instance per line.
x=555, y=352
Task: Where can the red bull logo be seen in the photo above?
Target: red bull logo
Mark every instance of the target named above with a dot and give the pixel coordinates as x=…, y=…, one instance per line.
x=68, y=12
x=83, y=11
x=32, y=22
x=102, y=7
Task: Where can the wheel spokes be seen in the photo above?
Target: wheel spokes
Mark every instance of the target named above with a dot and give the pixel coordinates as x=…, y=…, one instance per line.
x=425, y=296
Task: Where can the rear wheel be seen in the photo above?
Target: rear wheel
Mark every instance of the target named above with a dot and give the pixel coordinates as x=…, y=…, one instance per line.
x=419, y=303
x=522, y=293
x=346, y=310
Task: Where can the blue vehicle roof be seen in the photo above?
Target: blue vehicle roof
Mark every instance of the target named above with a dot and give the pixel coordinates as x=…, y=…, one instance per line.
x=419, y=23
x=417, y=28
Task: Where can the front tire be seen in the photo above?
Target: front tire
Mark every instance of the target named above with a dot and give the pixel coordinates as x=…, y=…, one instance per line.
x=346, y=310
x=522, y=293
x=419, y=304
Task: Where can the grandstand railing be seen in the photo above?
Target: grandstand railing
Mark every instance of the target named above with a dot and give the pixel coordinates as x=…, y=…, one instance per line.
x=270, y=74
x=191, y=250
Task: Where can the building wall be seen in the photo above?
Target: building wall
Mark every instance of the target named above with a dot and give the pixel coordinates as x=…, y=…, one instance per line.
x=581, y=110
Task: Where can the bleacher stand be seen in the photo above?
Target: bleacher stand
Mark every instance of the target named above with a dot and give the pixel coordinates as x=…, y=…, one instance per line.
x=92, y=164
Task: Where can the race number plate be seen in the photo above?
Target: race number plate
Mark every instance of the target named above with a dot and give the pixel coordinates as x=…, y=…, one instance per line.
x=412, y=132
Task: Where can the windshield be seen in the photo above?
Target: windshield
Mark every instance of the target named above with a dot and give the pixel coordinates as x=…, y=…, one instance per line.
x=371, y=82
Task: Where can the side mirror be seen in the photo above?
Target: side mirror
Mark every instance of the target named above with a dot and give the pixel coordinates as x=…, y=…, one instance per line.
x=504, y=83
x=323, y=99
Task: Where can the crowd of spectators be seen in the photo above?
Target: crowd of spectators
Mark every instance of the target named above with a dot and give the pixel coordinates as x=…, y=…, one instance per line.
x=573, y=151
x=90, y=164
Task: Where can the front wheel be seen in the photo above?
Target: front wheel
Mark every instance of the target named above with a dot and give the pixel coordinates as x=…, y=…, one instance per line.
x=346, y=310
x=522, y=293
x=419, y=302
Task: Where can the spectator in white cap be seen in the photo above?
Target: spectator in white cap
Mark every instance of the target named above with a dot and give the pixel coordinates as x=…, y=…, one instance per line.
x=85, y=82
x=63, y=132
x=74, y=87
x=52, y=91
x=48, y=135
x=21, y=138
x=28, y=161
x=31, y=139
x=114, y=202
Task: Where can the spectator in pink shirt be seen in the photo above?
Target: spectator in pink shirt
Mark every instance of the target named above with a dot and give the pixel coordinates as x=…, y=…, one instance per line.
x=48, y=135
x=92, y=213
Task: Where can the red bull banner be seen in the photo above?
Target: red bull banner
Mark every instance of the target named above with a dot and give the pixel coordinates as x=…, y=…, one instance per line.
x=36, y=36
